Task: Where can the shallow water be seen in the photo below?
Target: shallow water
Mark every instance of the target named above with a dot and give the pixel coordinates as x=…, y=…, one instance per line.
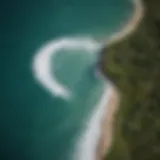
x=37, y=124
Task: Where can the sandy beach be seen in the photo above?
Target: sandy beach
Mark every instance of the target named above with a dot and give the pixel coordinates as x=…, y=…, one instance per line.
x=131, y=25
x=106, y=132
x=107, y=124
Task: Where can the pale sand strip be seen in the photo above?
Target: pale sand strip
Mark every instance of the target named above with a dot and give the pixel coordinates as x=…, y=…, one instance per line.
x=131, y=25
x=107, y=124
x=106, y=132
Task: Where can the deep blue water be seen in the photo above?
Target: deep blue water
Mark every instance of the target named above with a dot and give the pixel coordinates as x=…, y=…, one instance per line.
x=36, y=125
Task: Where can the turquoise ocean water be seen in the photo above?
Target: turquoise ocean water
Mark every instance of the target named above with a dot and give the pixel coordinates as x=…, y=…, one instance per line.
x=36, y=124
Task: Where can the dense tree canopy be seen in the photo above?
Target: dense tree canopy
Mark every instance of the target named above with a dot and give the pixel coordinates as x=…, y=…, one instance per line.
x=134, y=66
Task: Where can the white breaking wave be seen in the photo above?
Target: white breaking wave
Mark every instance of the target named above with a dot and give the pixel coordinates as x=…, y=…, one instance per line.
x=42, y=62
x=87, y=145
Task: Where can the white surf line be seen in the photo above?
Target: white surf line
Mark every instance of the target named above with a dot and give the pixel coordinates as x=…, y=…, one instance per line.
x=86, y=147
x=130, y=26
x=42, y=62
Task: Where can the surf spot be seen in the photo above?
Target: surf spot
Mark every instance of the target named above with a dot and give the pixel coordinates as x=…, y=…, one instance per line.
x=42, y=62
x=86, y=147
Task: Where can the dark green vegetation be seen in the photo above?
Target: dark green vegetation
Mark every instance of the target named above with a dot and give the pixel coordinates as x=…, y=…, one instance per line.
x=134, y=66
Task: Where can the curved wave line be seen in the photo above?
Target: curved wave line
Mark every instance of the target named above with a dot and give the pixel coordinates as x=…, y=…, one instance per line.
x=42, y=62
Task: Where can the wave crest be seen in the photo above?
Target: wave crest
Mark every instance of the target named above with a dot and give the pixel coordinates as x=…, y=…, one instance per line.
x=42, y=62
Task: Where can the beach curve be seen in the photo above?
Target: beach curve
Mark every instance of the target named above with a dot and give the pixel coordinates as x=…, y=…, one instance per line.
x=105, y=122
x=42, y=62
x=106, y=137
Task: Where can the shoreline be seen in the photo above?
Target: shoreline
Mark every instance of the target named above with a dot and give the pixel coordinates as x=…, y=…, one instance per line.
x=106, y=124
x=106, y=135
x=131, y=25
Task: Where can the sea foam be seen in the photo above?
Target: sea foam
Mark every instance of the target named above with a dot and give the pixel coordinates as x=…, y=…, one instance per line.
x=42, y=62
x=86, y=147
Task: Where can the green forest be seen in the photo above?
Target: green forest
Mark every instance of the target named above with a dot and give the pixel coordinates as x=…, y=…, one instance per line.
x=133, y=65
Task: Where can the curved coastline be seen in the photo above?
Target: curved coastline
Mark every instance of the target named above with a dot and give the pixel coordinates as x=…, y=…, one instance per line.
x=102, y=124
x=106, y=137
